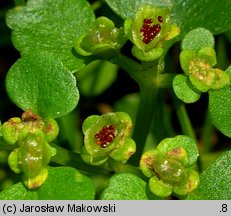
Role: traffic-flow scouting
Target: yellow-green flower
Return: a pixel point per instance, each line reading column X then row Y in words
column 170, row 167
column 107, row 136
column 149, row 31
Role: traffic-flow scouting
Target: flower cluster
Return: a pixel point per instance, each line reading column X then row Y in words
column 31, row 136
column 197, row 60
column 170, row 167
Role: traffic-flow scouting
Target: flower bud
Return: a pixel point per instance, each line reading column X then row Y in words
column 33, row 156
column 102, row 39
column 169, row 170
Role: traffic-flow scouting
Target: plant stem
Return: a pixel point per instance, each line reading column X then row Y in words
column 185, row 123
column 68, row 158
column 65, row 157
column 144, row 118
column 184, row 120
column 207, row 132
column 19, row 2
column 130, row 66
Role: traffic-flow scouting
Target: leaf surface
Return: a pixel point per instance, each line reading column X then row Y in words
column 51, row 25
column 40, row 82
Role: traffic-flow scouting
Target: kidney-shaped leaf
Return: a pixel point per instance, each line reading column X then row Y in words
column 66, row 183
column 63, row 183
column 40, row 82
column 215, row 181
column 125, row 186
column 220, row 108
column 184, row 89
column 213, row 15
column 51, row 25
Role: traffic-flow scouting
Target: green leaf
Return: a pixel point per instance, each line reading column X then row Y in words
column 184, row 89
column 220, row 108
column 55, row 187
column 215, row 181
column 96, row 77
column 125, row 186
column 127, row 8
column 68, row 184
column 40, row 82
column 197, row 39
column 18, row 192
column 212, row 15
column 51, row 25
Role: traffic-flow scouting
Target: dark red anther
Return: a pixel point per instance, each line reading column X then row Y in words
column 160, row 19
column 111, row 127
column 157, row 28
column 105, row 136
column 109, row 139
column 148, row 21
column 145, row 26
column 149, row 31
column 142, row 29
column 97, row 136
column 98, row 142
column 146, row 40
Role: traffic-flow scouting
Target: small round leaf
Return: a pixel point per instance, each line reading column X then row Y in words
column 125, row 186
column 197, row 39
column 215, row 181
column 51, row 25
column 184, row 89
column 55, row 187
column 38, row 81
column 220, row 108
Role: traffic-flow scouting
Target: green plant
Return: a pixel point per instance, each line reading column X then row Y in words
column 134, row 150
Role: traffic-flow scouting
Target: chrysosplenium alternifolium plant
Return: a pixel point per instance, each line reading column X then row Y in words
column 136, row 142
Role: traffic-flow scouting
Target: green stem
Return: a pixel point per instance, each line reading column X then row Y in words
column 184, row 120
column 208, row 130
column 6, row 147
column 144, row 119
column 19, row 2
column 165, row 80
column 185, row 123
column 133, row 68
column 68, row 158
